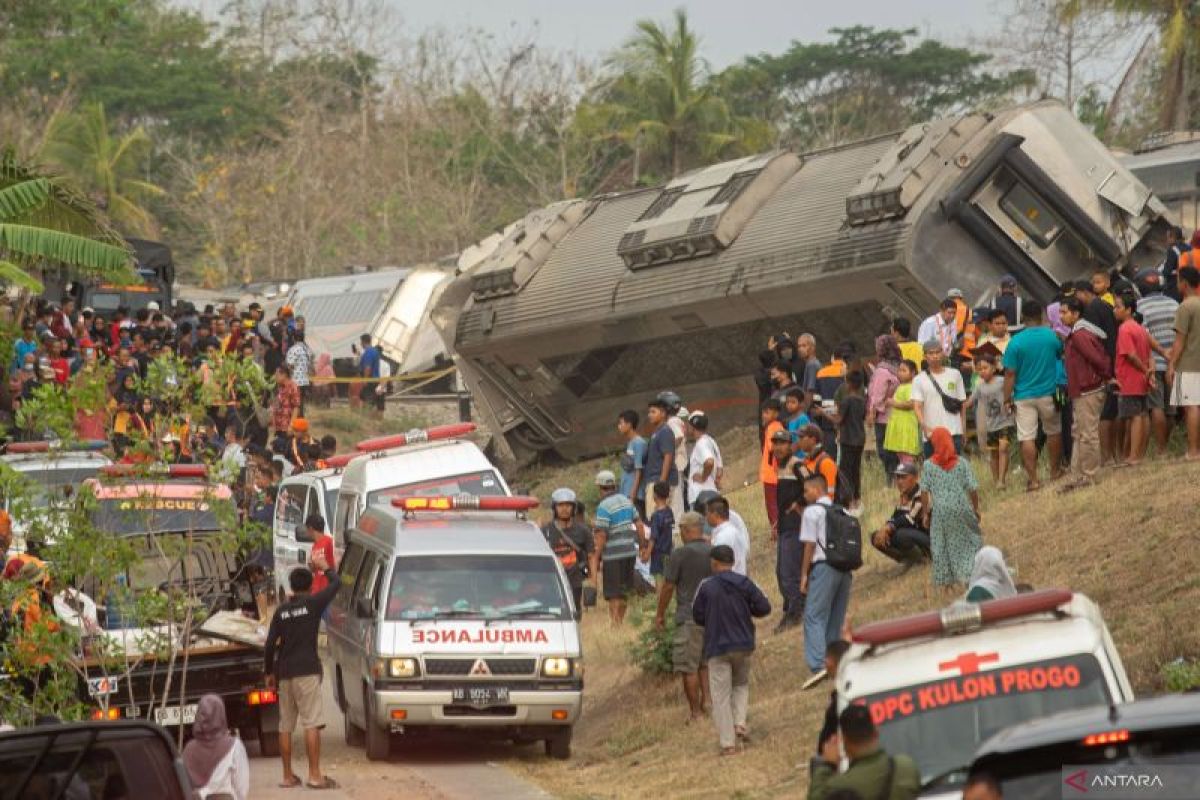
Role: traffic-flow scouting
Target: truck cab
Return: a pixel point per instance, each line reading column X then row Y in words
column 53, row 471
column 454, row 613
column 939, row 684
column 301, row 496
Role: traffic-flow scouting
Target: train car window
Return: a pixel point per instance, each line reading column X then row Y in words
column 1032, row 215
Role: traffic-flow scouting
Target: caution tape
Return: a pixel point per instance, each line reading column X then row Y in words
column 402, row 377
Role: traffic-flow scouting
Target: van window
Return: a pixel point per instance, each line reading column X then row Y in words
column 367, row 585
column 351, row 562
column 291, row 507
column 482, row 484
column 940, row 724
column 476, row 586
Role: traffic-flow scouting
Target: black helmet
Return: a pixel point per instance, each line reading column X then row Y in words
column 672, row 401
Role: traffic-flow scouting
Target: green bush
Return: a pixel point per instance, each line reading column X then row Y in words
column 1181, row 675
column 651, row 650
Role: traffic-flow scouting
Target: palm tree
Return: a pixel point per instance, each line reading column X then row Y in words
column 662, row 102
column 106, row 166
column 44, row 222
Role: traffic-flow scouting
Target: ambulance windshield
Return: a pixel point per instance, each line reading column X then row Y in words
column 485, row 483
column 476, row 586
column 941, row 724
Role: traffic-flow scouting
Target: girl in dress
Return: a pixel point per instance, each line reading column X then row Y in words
column 903, row 435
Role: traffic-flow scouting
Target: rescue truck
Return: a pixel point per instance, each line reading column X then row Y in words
column 454, row 614
column 938, row 684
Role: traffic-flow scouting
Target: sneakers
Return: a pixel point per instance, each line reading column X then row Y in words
column 816, row 678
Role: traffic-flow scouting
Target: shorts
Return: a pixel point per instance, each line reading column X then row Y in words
column 1033, row 410
column 618, row 577
column 1157, row 396
column 687, row 647
column 300, row 699
column 1001, row 439
column 1186, row 391
column 1109, row 412
column 1132, row 405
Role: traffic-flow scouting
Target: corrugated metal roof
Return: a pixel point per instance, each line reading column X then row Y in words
column 797, row 234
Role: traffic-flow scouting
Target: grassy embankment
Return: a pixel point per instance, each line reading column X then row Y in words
column 1130, row 543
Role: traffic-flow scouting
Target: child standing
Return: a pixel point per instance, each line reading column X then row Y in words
column 999, row 423
column 851, row 418
column 662, row 524
column 903, row 434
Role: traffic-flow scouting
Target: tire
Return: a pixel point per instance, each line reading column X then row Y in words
column 559, row 744
column 355, row 736
column 378, row 740
column 268, row 743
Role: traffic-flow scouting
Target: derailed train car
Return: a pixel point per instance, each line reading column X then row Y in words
column 590, row 306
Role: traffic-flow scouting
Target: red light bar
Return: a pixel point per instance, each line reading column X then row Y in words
column 47, row 446
column 959, row 617
column 416, row 436
column 169, row 470
column 1108, row 737
column 465, row 502
column 340, row 460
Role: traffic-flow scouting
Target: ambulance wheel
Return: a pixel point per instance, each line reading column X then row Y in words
column 559, row 744
column 355, row 736
column 378, row 740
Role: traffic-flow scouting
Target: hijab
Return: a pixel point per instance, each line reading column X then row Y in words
column 211, row 740
column 991, row 573
column 944, row 454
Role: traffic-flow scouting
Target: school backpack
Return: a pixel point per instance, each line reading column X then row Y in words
column 843, row 540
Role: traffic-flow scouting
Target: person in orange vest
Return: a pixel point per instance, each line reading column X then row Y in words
column 28, row 611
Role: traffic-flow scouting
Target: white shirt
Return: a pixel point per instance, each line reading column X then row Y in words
column 729, row 533
column 703, row 449
column 935, row 414
column 937, row 328
column 681, row 457
column 234, row 456
column 812, row 527
column 231, row 775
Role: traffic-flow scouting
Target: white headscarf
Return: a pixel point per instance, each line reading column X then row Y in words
column 991, row 573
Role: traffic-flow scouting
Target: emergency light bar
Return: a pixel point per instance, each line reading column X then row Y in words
column 340, row 460
column 465, row 502
column 169, row 470
column 960, row 618
column 416, row 436
column 47, row 446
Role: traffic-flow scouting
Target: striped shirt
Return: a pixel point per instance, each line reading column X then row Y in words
column 1158, row 317
column 616, row 518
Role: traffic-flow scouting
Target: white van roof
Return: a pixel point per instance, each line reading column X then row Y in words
column 451, row 532
column 413, row 464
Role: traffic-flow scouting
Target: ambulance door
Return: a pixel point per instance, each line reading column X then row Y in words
column 290, row 550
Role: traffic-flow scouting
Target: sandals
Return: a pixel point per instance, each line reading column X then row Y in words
column 292, row 784
column 327, row 783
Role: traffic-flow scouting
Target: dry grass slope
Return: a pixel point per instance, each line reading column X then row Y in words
column 1130, row 543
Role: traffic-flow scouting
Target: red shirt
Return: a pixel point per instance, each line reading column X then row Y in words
column 62, row 370
column 1132, row 338
column 322, row 545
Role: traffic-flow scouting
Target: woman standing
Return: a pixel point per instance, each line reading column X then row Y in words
column 216, row 760
column 884, row 381
column 951, row 494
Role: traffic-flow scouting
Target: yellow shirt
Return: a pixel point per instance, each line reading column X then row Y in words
column 912, row 351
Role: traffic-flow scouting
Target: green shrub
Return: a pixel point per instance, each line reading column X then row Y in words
column 1181, row 675
column 651, row 650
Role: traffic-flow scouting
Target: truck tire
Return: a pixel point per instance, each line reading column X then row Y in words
column 378, row 740
column 268, row 731
column 558, row 745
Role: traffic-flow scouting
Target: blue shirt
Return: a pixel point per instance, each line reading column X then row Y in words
column 794, row 426
column 1034, row 354
column 662, row 529
column 634, row 459
column 617, row 518
column 662, row 444
column 23, row 348
column 370, row 361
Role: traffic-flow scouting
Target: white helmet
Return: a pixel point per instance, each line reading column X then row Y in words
column 563, row 495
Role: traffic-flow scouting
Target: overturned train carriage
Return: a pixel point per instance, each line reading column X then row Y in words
column 590, row 306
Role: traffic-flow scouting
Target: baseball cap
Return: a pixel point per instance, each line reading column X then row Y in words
column 955, row 293
column 722, row 554
column 605, row 478
column 906, row 468
column 1149, row 276
column 1008, row 280
column 781, row 436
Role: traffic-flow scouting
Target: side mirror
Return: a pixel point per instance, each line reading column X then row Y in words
column 362, row 608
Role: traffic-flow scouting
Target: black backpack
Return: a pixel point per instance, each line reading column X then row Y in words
column 843, row 540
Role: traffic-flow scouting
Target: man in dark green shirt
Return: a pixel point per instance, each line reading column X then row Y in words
column 872, row 773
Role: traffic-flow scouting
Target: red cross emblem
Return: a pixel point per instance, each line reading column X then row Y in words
column 968, row 663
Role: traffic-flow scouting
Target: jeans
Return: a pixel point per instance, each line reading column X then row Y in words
column 906, row 545
column 729, row 687
column 824, row 611
column 789, row 555
column 886, row 457
column 958, row 445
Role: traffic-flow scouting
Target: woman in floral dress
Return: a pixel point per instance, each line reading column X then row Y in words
column 952, row 496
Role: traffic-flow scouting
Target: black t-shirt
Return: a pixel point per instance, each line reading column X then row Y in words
column 291, row 649
column 789, row 490
column 1100, row 314
column 852, row 409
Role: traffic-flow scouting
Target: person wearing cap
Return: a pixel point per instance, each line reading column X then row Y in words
column 935, row 388
column 789, row 495
column 940, row 327
column 725, row 607
column 705, row 465
column 571, row 542
column 873, row 773
column 904, row 537
column 815, row 461
column 619, row 535
column 1158, row 317
column 1009, row 302
column 686, row 568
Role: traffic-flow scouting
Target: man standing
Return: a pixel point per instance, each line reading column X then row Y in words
column 1158, row 317
column 633, row 461
column 937, row 387
column 728, row 533
column 1008, row 302
column 788, row 552
column 619, row 535
column 686, row 567
column 369, row 367
column 1183, row 371
column 725, row 607
column 1088, row 371
column 1135, row 377
column 872, row 773
column 704, row 465
column 322, row 543
column 1176, row 246
column 660, row 454
column 806, row 345
column 571, row 542
column 940, row 328
column 781, row 379
column 286, row 406
column 827, row 588
column 1030, row 381
column 767, row 468
column 291, row 663
column 300, row 359
column 1100, row 314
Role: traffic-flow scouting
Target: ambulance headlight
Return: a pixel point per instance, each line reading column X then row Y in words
column 403, row 668
column 556, row 667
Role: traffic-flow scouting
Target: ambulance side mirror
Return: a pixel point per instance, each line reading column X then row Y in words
column 362, row 608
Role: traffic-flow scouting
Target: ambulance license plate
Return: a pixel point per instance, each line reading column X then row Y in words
column 479, row 696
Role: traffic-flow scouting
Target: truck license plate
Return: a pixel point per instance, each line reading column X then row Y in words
column 175, row 715
column 102, row 687
column 480, row 695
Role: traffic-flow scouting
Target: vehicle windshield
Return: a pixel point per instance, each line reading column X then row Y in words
column 476, row 586
column 53, row 486
column 483, row 484
column 941, row 724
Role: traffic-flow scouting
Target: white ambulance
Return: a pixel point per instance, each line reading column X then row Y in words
column 938, row 684
column 301, row 496
column 455, row 613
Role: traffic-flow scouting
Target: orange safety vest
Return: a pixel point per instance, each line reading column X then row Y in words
column 1189, row 259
